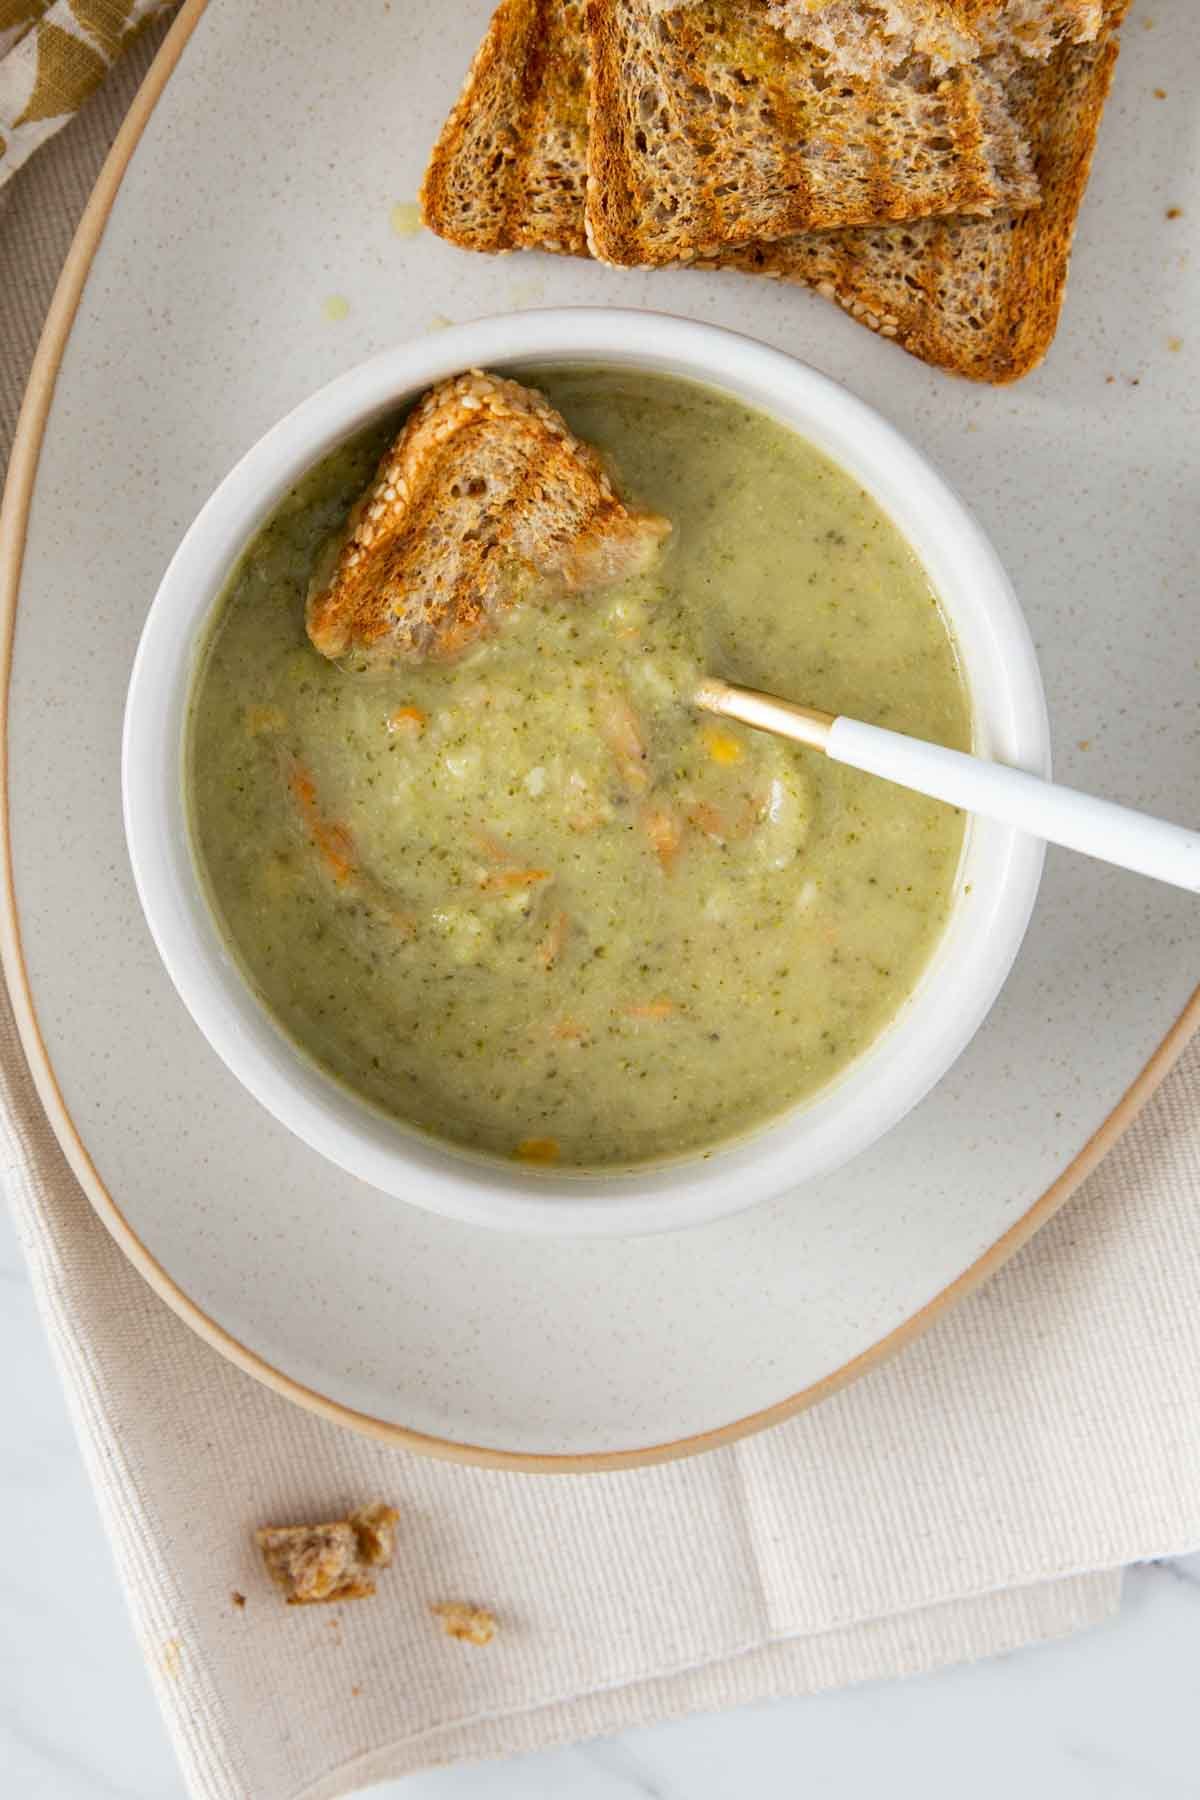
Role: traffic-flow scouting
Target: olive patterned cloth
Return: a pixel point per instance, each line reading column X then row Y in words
column 53, row 54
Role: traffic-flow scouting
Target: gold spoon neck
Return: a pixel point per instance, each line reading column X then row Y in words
column 803, row 724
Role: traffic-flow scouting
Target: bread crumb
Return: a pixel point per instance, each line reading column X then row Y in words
column 1174, row 212
column 1174, row 343
column 1084, row 744
column 1110, row 379
column 1160, row 93
column 239, row 1600
column 356, row 1691
column 172, row 1659
column 439, row 322
column 335, row 308
column 314, row 1563
column 469, row 1624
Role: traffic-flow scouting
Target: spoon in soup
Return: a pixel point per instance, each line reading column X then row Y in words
column 1060, row 815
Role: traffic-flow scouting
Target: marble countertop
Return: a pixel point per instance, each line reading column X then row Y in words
column 1108, row 1715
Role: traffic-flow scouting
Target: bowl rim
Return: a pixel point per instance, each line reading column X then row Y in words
column 934, row 1024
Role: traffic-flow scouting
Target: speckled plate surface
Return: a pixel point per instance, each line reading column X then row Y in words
column 253, row 252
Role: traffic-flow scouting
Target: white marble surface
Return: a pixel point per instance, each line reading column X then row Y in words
column 1109, row 1715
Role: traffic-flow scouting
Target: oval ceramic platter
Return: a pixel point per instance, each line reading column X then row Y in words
column 252, row 253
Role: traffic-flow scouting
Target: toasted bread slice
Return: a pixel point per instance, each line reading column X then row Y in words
column 980, row 297
column 708, row 127
column 505, row 173
column 484, row 498
column 509, row 169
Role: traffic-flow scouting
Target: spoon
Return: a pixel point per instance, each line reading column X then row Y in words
column 1061, row 815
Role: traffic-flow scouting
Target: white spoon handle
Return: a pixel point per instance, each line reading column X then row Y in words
column 1115, row 834
column 1061, row 815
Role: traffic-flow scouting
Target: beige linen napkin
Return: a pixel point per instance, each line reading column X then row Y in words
column 980, row 1492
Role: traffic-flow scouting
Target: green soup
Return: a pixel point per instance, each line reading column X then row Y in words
column 534, row 903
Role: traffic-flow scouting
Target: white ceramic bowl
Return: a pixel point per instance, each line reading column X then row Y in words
column 998, row 877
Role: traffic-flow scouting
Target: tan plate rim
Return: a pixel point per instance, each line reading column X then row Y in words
column 14, row 516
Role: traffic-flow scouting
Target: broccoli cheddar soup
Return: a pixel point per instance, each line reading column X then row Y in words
column 531, row 900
